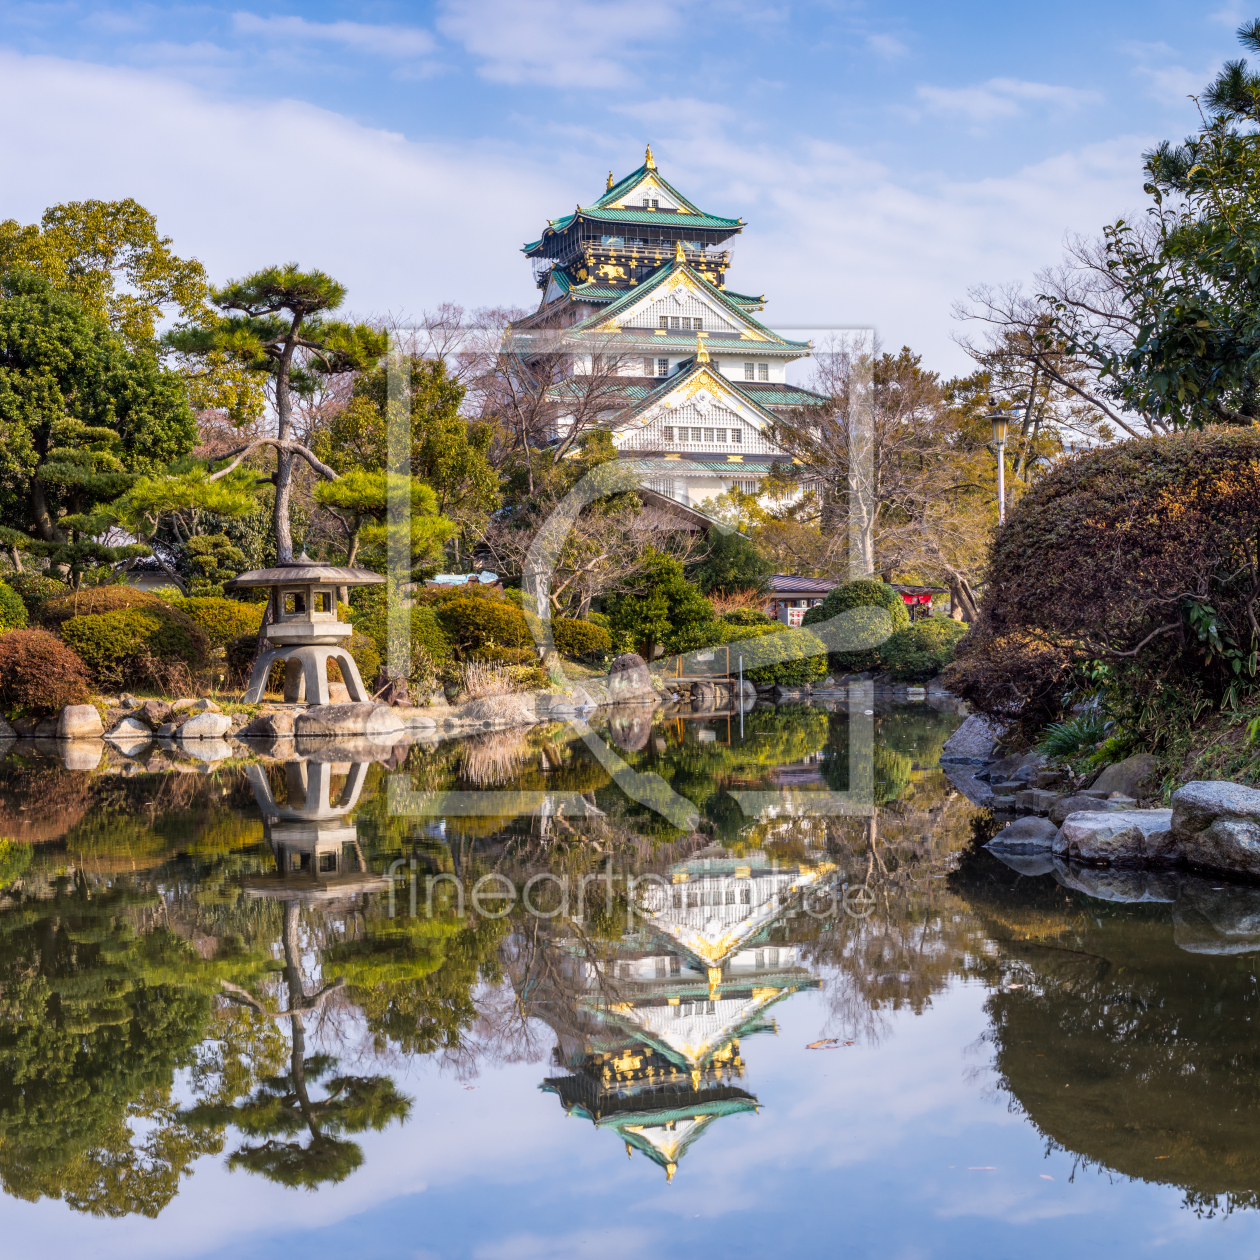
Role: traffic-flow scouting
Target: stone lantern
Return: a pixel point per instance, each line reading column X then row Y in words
column 304, row 630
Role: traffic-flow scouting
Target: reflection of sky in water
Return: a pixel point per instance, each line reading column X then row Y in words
column 686, row 1059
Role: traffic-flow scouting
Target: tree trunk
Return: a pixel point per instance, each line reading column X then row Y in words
column 284, row 458
column 962, row 599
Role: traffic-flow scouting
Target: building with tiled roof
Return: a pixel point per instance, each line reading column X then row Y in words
column 638, row 279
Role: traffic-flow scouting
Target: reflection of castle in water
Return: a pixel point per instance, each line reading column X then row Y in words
column 651, row 1036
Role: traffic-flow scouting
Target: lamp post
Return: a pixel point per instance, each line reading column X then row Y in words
column 1001, row 420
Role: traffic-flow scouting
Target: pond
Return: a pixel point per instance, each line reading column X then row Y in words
column 686, row 984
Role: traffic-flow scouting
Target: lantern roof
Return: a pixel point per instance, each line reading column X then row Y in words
column 304, row 570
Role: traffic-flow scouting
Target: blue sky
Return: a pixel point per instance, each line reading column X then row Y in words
column 885, row 155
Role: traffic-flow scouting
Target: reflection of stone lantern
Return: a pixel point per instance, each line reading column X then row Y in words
column 305, row 632
column 315, row 844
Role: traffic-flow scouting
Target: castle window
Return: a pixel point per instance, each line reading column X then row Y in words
column 721, row 435
column 763, row 371
column 664, row 321
column 697, row 323
column 662, row 367
column 655, row 205
column 737, row 435
column 648, row 369
column 695, row 435
column 674, row 321
column 749, row 369
column 708, row 435
column 669, row 434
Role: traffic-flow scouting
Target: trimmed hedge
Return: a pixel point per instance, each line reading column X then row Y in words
column 471, row 621
column 582, row 639
column 849, row 597
column 117, row 646
column 12, row 609
column 922, row 650
column 92, row 601
column 220, row 619
column 759, row 644
column 39, row 673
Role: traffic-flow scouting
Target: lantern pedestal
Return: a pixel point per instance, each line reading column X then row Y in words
column 306, row 672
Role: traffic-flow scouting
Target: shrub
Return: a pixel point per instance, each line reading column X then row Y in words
column 747, row 617
column 366, row 657
column 862, row 594
column 220, row 619
column 760, row 644
column 582, row 639
column 471, row 621
column 39, row 674
column 922, row 650
column 34, row 588
column 505, row 656
column 124, row 646
column 12, row 609
column 92, row 601
column 1144, row 552
column 1066, row 739
column 1013, row 677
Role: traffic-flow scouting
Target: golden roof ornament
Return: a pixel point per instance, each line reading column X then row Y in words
column 669, row 1171
column 649, row 161
column 702, row 356
column 610, row 180
column 679, row 256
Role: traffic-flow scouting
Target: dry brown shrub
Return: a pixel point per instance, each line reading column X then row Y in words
column 494, row 759
column 733, row 601
column 486, row 678
column 40, row 674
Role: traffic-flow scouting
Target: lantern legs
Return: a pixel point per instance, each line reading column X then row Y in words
column 305, row 674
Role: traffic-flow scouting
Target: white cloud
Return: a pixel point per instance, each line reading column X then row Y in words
column 382, row 41
column 1002, row 98
column 1167, row 80
column 887, row 45
column 561, row 43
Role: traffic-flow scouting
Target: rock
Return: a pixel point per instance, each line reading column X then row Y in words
column 390, row 691
column 79, row 721
column 1066, row 805
column 1037, row 800
column 1026, row 834
column 339, row 693
column 199, row 705
column 703, row 697
column 129, row 730
column 1128, row 777
column 1128, row 836
column 1218, row 824
column 127, row 701
column 155, row 712
column 131, row 745
column 277, row 724
column 1007, row 768
column 629, row 680
column 351, row 748
column 206, row 726
column 1049, row 778
column 1003, row 804
column 378, row 721
column 81, row 754
column 6, row 731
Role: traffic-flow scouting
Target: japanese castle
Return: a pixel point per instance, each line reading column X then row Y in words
column 640, row 276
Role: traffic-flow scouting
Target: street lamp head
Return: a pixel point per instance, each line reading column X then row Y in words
column 1001, row 420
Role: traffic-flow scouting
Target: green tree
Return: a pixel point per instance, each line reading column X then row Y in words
column 81, row 415
column 661, row 608
column 110, row 255
column 281, row 329
column 448, row 452
column 731, row 563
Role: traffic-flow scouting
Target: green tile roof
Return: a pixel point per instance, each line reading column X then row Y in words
column 619, row 189
column 631, row 296
column 644, row 218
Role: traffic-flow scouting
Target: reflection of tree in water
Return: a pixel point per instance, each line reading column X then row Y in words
column 1121, row 1047
column 282, row 1106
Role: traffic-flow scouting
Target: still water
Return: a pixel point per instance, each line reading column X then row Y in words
column 736, row 985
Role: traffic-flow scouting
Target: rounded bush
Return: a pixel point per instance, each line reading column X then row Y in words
column 220, row 619
column 92, row 601
column 471, row 621
column 582, row 639
column 759, row 645
column 34, row 588
column 747, row 617
column 864, row 593
column 121, row 646
column 39, row 674
column 922, row 650
column 12, row 609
